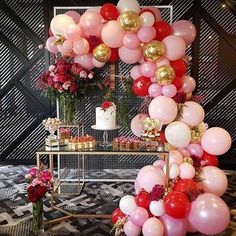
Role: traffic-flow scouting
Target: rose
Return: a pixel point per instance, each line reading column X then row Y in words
column 73, row 88
column 75, row 69
column 61, row 78
column 45, row 176
column 105, row 105
column 28, row 176
column 40, row 191
column 56, row 85
column 60, row 89
column 33, row 171
column 50, row 81
column 32, row 197
column 83, row 74
column 90, row 75
column 66, row 85
column 51, row 67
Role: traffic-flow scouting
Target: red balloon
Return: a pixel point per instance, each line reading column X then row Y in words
column 162, row 137
column 114, row 55
column 109, row 11
column 143, row 199
column 208, row 160
column 178, row 82
column 176, row 204
column 93, row 41
column 140, row 86
column 163, row 29
column 185, row 186
column 179, row 66
column 117, row 215
column 147, row 10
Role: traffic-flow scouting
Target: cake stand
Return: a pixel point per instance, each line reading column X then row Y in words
column 105, row 142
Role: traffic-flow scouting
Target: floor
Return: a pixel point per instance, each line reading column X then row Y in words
column 103, row 198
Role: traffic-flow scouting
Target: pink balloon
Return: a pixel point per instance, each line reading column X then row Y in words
column 162, row 62
column 163, row 108
column 154, row 90
column 192, row 114
column 142, row 60
column 169, row 90
column 50, row 45
column 149, row 178
column 139, row 216
column 174, row 226
column 148, row 69
column 85, row 61
column 81, row 47
column 175, row 157
column 73, row 32
column 112, row 34
column 97, row 63
column 159, row 164
column 136, row 187
column 184, row 29
column 214, row 180
column 189, row 84
column 153, row 79
column 216, row 141
column 187, row 171
column 135, row 72
column 209, row 214
column 146, row 34
column 156, row 12
column 66, row 48
column 91, row 23
column 74, row 15
column 131, row 229
column 131, row 41
column 191, row 229
column 174, row 47
column 130, row 56
column 184, row 152
column 137, row 124
column 153, row 226
column 195, row 149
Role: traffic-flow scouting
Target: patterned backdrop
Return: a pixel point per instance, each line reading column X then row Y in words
column 24, row 26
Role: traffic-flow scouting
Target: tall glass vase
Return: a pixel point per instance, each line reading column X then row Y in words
column 37, row 225
column 68, row 110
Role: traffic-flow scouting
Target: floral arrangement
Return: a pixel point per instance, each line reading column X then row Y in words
column 51, row 124
column 108, row 105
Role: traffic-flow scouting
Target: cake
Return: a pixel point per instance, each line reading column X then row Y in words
column 106, row 116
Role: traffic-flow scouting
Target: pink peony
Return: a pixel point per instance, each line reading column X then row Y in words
column 90, row 75
column 33, row 172
column 76, row 69
column 45, row 176
column 83, row 74
column 56, row 85
column 51, row 67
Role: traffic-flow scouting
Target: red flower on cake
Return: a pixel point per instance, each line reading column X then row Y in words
column 105, row 105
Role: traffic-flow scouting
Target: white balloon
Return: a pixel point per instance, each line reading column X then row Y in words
column 147, row 19
column 178, row 134
column 173, row 171
column 128, row 5
column 157, row 208
column 127, row 204
column 59, row 23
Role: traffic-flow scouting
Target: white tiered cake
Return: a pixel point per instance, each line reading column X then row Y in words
column 106, row 117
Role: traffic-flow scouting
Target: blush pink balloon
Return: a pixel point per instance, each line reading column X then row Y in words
column 146, row 34
column 209, row 214
column 153, row 79
column 187, row 171
column 163, row 108
column 184, row 152
column 156, row 12
column 174, row 226
column 131, row 41
column 74, row 15
column 131, row 229
column 216, row 141
column 85, row 61
column 91, row 23
column 73, row 32
column 66, row 48
column 148, row 69
column 195, row 149
column 154, row 90
column 214, row 180
column 81, row 47
column 189, row 84
column 97, row 63
column 112, row 34
column 191, row 229
column 162, row 62
column 130, row 56
column 192, row 114
column 135, row 72
column 142, row 60
column 175, row 157
column 159, row 164
column 174, row 47
column 169, row 90
column 153, row 226
column 136, row 124
column 50, row 45
column 184, row 29
column 139, row 216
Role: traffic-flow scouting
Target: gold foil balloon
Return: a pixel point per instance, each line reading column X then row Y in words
column 197, row 132
column 129, row 21
column 165, row 75
column 153, row 50
column 102, row 52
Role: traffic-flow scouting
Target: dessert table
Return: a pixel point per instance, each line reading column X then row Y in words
column 61, row 184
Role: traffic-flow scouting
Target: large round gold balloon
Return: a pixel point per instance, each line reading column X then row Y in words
column 102, row 52
column 153, row 50
column 165, row 75
column 129, row 21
